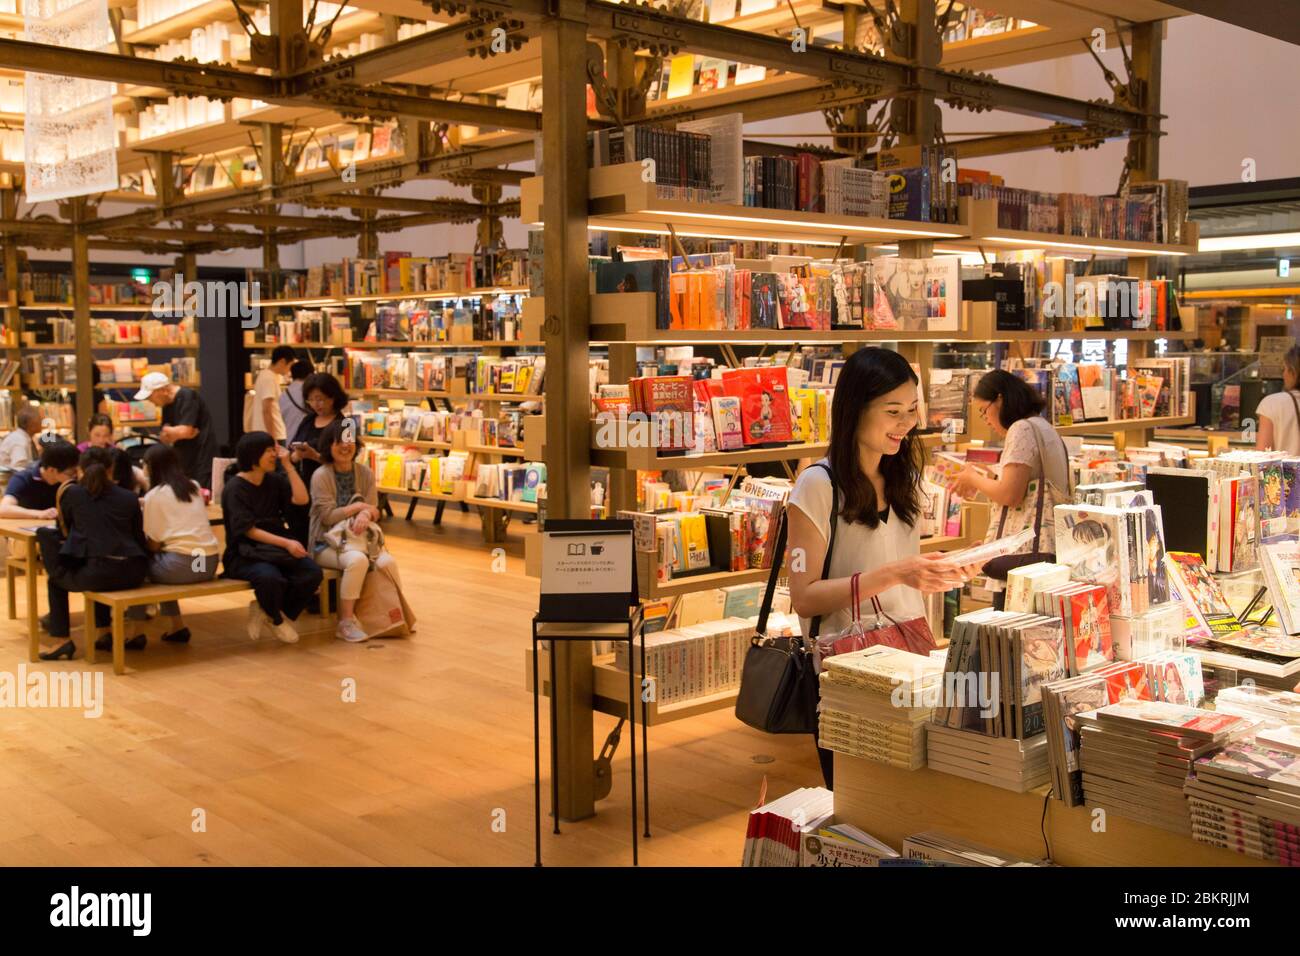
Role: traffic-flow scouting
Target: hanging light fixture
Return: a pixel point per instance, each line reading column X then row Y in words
column 69, row 138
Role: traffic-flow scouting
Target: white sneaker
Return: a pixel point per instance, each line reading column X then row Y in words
column 350, row 630
column 284, row 632
column 257, row 621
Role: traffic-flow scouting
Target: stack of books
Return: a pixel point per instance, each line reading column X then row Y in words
column 1136, row 754
column 943, row 849
column 773, row 834
column 1064, row 700
column 866, row 704
column 842, row 844
column 1272, row 708
column 1016, row 765
column 1247, row 798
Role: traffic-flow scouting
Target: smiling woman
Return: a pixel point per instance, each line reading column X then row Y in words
column 853, row 514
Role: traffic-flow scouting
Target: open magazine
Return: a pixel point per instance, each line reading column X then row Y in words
column 983, row 553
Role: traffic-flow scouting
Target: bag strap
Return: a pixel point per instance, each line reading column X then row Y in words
column 778, row 557
column 815, row 626
column 58, row 507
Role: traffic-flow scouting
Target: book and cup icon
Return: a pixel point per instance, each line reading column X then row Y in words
column 578, row 549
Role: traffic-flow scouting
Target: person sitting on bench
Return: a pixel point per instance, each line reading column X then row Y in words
column 104, row 549
column 183, row 549
column 343, row 489
column 260, row 548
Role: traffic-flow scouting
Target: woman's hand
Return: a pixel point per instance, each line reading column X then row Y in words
column 361, row 522
column 356, row 508
column 295, row 548
column 50, row 514
column 306, row 451
column 929, row 573
column 281, row 452
column 965, row 486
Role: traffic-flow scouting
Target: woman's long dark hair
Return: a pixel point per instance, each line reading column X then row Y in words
column 867, row 375
column 96, row 471
column 124, row 470
column 1019, row 398
column 164, row 468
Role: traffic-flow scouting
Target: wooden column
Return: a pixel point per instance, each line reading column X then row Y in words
column 565, row 330
column 85, row 396
column 926, row 51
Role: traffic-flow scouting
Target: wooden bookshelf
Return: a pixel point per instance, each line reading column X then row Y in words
column 621, row 202
column 407, row 443
column 490, row 397
column 409, row 346
column 981, row 219
column 651, row 459
column 441, row 294
column 1125, row 425
column 526, row 507
column 609, row 691
column 422, row 495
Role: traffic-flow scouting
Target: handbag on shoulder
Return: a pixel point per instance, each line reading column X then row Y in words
column 778, row 684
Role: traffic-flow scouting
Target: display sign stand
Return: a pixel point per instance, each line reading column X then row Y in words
column 588, row 593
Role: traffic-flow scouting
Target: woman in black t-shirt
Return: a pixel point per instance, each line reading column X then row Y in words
column 259, row 549
column 326, row 400
column 104, row 548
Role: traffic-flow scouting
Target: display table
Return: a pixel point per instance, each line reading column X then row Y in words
column 891, row 804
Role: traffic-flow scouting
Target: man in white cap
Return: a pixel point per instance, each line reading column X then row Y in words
column 186, row 424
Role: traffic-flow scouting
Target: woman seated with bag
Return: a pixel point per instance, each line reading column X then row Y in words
column 104, row 548
column 345, row 532
column 853, row 515
column 1034, row 472
column 177, row 530
column 259, row 549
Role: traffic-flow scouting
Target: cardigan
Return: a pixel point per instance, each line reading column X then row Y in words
column 325, row 510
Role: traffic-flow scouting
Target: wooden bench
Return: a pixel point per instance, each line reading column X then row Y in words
column 119, row 601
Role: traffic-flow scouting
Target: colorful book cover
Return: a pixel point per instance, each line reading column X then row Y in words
column 1160, row 716
column 765, row 301
column 1092, row 543
column 764, row 403
column 1040, row 649
column 796, row 312
column 726, row 422
column 1090, row 644
column 917, row 294
column 1200, row 592
column 670, row 401
column 1272, row 502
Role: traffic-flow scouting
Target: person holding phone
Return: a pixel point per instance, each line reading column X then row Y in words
column 259, row 547
column 874, row 465
column 326, row 400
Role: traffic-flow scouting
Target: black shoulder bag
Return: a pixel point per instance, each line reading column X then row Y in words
column 778, row 685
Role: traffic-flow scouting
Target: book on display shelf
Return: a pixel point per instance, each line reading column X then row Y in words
column 1246, row 798
column 842, row 844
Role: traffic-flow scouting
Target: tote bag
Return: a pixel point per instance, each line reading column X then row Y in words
column 1044, row 496
column 382, row 610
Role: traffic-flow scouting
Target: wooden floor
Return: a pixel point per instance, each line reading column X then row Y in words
column 437, row 744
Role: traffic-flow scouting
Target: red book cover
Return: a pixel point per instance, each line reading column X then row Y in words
column 1090, row 646
column 392, row 271
column 764, row 403
column 1127, row 681
column 670, row 400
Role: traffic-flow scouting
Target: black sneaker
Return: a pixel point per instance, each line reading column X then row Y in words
column 178, row 637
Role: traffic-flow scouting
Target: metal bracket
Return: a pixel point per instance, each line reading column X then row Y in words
column 971, row 91
column 602, row 766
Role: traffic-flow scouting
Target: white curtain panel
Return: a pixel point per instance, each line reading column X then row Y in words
column 70, row 139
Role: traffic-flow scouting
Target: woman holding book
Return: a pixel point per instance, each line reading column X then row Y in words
column 1032, row 451
column 1279, row 413
column 343, row 490
column 865, row 497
